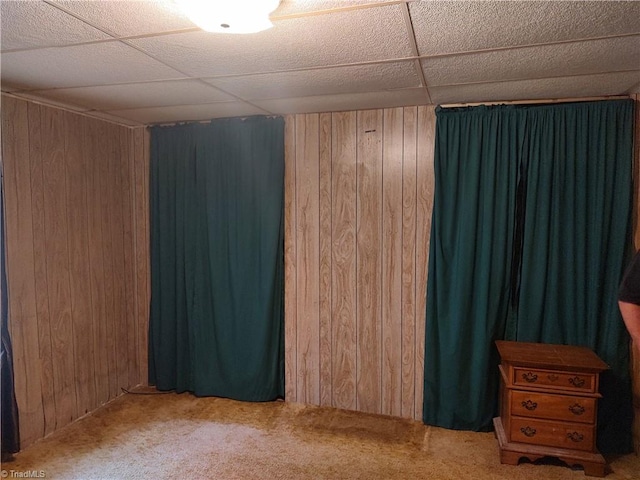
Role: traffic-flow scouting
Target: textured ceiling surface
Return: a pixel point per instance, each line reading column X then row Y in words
column 142, row 61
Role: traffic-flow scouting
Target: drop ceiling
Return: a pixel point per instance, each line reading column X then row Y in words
column 142, row 62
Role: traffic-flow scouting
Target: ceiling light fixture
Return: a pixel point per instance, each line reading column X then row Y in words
column 229, row 16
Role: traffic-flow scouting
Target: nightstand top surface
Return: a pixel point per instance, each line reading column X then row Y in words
column 545, row 355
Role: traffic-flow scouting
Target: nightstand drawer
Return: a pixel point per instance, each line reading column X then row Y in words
column 555, row 434
column 553, row 406
column 579, row 382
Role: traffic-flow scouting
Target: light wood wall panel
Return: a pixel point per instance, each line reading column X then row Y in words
column 392, row 264
column 326, row 362
column 409, row 288
column 358, row 196
column 290, row 262
column 308, row 250
column 343, row 251
column 369, row 260
column 425, row 189
column 77, row 261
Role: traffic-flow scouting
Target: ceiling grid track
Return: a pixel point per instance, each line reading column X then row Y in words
column 135, row 47
column 414, row 47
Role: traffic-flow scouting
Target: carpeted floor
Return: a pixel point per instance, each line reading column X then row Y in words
column 181, row 436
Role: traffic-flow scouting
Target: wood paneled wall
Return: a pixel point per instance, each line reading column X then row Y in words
column 358, row 195
column 77, row 261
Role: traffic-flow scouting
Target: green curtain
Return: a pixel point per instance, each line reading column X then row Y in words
column 9, row 415
column 576, row 226
column 217, row 265
column 470, row 248
column 543, row 266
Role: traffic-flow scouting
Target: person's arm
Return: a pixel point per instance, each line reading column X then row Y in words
column 631, row 316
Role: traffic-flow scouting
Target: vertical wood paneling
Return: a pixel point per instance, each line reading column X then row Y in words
column 308, row 253
column 425, row 178
column 140, row 168
column 70, row 240
column 144, row 250
column 408, row 290
column 392, row 262
column 40, row 269
column 107, row 187
column 116, row 212
column 290, row 261
column 325, row 260
column 77, row 217
column 19, row 239
column 128, row 222
column 343, row 274
column 58, row 276
column 95, row 146
column 356, row 274
column 369, row 255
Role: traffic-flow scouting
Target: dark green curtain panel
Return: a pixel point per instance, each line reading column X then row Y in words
column 576, row 237
column 217, row 265
column 9, row 415
column 470, row 250
column 529, row 239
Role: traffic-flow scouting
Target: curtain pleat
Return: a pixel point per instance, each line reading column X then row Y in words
column 547, row 256
column 216, row 324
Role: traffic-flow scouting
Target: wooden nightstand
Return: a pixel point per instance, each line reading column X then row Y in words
column 548, row 404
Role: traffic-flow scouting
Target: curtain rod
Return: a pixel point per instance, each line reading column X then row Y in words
column 533, row 102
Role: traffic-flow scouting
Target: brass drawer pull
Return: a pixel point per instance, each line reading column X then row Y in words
column 529, row 405
column 576, row 382
column 528, row 431
column 530, row 377
column 552, row 377
column 576, row 409
column 575, row 437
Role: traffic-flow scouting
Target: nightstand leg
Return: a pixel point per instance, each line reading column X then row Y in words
column 509, row 458
column 594, row 469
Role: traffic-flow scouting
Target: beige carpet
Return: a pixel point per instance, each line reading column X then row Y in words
column 183, row 437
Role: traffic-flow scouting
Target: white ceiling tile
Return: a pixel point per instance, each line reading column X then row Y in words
column 311, row 62
column 292, row 7
column 323, row 40
column 184, row 113
column 340, row 102
column 130, row 17
column 82, row 65
column 140, row 95
column 596, row 56
column 458, row 26
column 564, row 87
column 29, row 24
column 326, row 81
